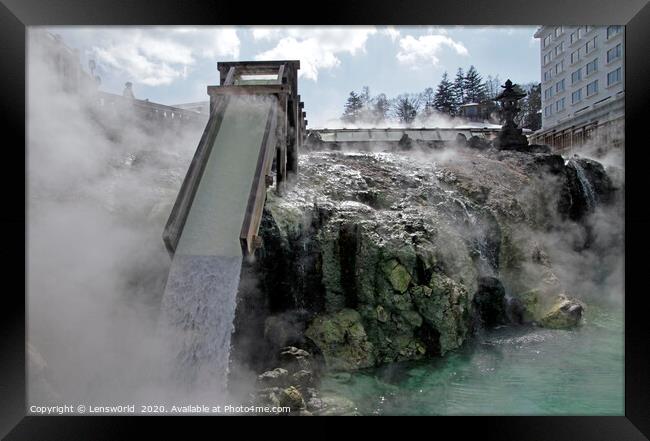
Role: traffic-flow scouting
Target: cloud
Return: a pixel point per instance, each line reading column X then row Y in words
column 391, row 32
column 155, row 56
column 316, row 48
column 413, row 51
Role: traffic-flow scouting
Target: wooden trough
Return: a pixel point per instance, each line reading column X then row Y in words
column 283, row 135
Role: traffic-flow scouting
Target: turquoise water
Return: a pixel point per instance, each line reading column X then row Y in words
column 507, row 371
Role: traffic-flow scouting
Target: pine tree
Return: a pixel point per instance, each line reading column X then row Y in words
column 533, row 119
column 474, row 87
column 459, row 90
column 353, row 108
column 444, row 100
column 366, row 113
column 427, row 98
column 365, row 96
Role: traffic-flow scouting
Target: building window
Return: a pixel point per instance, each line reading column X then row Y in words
column 547, row 110
column 588, row 29
column 559, row 67
column 547, row 58
column 591, row 45
column 581, row 31
column 575, row 56
column 547, row 40
column 576, row 76
column 592, row 66
column 574, row 37
column 576, row 96
column 559, row 105
column 559, row 86
column 613, row 30
column 558, row 31
column 559, row 49
column 614, row 77
column 548, row 93
column 614, row 53
column 547, row 75
column 592, row 88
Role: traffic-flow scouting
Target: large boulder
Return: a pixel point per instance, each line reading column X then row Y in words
column 564, row 313
column 292, row 398
column 342, row 340
column 274, row 378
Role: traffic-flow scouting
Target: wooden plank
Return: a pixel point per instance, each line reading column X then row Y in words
column 258, row 63
column 281, row 74
column 244, row 89
column 257, row 195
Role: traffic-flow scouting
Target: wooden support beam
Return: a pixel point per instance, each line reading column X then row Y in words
column 230, row 78
column 257, row 195
column 258, row 89
column 281, row 155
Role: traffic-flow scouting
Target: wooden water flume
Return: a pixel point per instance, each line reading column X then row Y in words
column 238, row 152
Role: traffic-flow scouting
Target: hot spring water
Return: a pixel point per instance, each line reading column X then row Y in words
column 506, row 371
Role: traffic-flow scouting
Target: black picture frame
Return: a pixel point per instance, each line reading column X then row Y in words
column 15, row 15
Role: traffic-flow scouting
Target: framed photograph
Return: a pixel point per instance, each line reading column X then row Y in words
column 427, row 211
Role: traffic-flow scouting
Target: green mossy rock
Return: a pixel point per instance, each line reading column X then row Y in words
column 342, row 340
column 384, row 253
column 292, row 398
column 397, row 275
column 564, row 314
column 444, row 305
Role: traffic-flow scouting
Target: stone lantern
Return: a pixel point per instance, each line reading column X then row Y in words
column 510, row 137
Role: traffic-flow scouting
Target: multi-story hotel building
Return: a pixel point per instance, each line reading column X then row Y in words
column 583, row 90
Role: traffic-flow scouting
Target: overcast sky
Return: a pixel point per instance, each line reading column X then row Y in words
column 172, row 65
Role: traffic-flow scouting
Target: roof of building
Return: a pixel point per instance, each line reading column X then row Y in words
column 538, row 32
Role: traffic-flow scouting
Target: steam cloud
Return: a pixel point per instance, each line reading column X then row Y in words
column 101, row 183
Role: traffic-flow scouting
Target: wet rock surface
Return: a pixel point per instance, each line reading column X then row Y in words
column 565, row 313
column 390, row 256
column 490, row 302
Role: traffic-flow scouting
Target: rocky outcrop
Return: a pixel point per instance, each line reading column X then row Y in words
column 588, row 185
column 564, row 313
column 291, row 385
column 342, row 340
column 371, row 258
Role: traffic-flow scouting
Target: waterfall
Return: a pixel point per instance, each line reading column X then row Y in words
column 478, row 236
column 585, row 185
column 197, row 318
column 201, row 293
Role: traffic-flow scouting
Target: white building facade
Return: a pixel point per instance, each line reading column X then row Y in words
column 583, row 88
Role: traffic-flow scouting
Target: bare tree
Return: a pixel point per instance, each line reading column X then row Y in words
column 406, row 108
